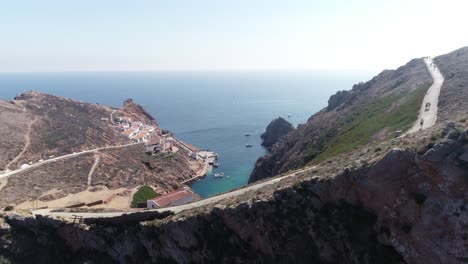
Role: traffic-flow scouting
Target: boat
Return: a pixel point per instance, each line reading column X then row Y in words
column 227, row 177
column 248, row 145
column 215, row 164
column 247, row 134
column 218, row 175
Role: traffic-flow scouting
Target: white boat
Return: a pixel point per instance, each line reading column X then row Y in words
column 219, row 175
column 248, row 145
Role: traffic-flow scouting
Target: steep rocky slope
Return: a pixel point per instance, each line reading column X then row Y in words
column 454, row 93
column 276, row 130
column 407, row 206
column 370, row 112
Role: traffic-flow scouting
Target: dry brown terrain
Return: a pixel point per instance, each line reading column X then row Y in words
column 59, row 126
column 12, row 132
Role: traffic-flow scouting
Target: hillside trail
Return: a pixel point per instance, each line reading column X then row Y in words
column 26, row 145
column 67, row 156
column 97, row 158
column 428, row 112
column 174, row 209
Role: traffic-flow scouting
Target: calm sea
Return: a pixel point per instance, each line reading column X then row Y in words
column 210, row 110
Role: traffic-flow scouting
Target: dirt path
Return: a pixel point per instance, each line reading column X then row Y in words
column 90, row 174
column 112, row 116
column 26, row 146
column 174, row 209
column 38, row 164
column 428, row 111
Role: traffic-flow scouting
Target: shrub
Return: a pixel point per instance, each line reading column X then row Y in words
column 420, row 198
column 8, row 208
column 378, row 149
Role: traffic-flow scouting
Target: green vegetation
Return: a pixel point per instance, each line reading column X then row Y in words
column 391, row 113
column 144, row 193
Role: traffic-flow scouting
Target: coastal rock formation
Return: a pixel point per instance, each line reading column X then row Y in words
column 407, row 207
column 136, row 111
column 276, row 130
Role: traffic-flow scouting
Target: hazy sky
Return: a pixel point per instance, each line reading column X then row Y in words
column 58, row 35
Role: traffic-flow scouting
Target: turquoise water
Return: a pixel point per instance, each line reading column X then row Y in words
column 209, row 110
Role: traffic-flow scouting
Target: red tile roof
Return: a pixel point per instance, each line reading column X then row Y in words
column 154, row 140
column 169, row 198
column 128, row 132
column 141, row 135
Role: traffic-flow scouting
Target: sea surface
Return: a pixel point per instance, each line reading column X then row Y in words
column 209, row 110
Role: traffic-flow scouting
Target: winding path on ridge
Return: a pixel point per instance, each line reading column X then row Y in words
column 38, row 164
column 429, row 117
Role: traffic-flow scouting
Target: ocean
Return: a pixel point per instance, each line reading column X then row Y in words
column 209, row 110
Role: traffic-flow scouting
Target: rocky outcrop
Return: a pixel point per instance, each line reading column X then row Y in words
column 275, row 131
column 406, row 208
column 137, row 112
column 339, row 98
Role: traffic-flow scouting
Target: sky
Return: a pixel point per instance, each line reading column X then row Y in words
column 222, row 35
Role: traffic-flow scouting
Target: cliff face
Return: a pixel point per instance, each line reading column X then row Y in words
column 453, row 99
column 370, row 112
column 408, row 207
column 275, row 131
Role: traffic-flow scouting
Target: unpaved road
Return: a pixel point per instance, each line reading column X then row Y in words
column 38, row 164
column 97, row 158
column 432, row 97
column 174, row 209
column 26, row 145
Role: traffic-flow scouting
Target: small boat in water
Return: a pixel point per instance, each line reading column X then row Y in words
column 247, row 134
column 215, row 164
column 248, row 145
column 219, row 175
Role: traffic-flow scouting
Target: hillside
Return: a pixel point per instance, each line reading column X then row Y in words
column 369, row 112
column 38, row 127
column 404, row 204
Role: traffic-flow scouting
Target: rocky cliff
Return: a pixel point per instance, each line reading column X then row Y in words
column 276, row 130
column 370, row 112
column 408, row 206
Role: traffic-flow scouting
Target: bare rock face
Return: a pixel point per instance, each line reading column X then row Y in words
column 275, row 131
column 339, row 98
